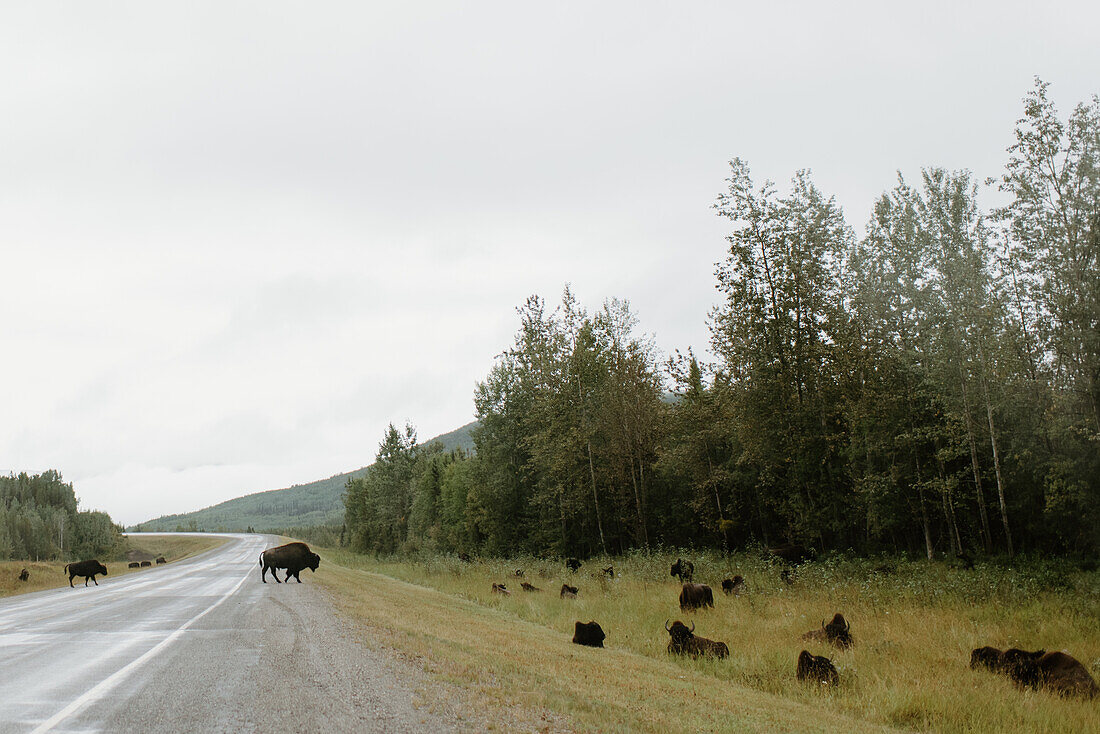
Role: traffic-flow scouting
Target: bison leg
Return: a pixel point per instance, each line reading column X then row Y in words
column 263, row 574
column 71, row 581
column 93, row 581
column 275, row 575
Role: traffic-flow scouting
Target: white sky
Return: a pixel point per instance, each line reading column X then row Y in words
column 237, row 239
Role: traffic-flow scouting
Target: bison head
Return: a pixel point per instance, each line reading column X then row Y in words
column 679, row 631
column 986, row 657
column 313, row 562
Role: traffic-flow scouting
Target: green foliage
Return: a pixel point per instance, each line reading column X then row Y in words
column 39, row 520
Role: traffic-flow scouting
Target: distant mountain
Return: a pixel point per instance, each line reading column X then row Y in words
column 316, row 503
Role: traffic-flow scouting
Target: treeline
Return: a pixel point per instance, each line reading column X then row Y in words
column 932, row 387
column 39, row 520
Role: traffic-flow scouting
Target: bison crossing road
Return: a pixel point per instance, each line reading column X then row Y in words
column 293, row 557
column 197, row 646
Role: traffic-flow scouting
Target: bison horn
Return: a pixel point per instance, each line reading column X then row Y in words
column 823, row 624
column 693, row 626
column 667, row 629
column 847, row 625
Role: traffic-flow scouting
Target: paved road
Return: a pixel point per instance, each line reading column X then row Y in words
column 199, row 645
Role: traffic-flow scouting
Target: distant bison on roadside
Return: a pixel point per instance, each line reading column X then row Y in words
column 816, row 669
column 146, row 563
column 568, row 592
column 160, row 560
column 733, row 586
column 24, row 575
column 88, row 569
column 695, row 596
column 590, row 634
column 133, row 564
column 682, row 569
column 684, row 642
column 292, row 556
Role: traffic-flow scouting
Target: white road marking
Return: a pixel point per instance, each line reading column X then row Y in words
column 119, row 675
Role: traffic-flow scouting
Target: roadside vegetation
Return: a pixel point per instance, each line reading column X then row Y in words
column 51, row 574
column 914, row 625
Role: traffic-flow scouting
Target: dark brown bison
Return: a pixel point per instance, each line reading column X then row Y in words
column 146, row 563
column 836, row 632
column 501, row 589
column 464, row 557
column 695, row 596
column 292, row 556
column 684, row 642
column 816, row 669
column 573, row 565
column 609, row 572
column 24, row 575
column 519, row 573
column 734, row 586
column 590, row 634
column 986, row 657
column 792, row 553
column 161, row 559
column 529, row 587
column 964, row 561
column 133, row 564
column 87, row 569
column 683, row 570
column 1055, row 671
column 568, row 592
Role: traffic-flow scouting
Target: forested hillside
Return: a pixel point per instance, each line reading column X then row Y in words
column 39, row 520
column 315, row 503
column 932, row 387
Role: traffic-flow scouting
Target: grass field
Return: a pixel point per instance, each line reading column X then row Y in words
column 51, row 574
column 914, row 627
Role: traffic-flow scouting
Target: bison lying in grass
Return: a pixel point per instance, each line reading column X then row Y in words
column 1058, row 672
column 568, row 592
column 292, row 556
column 590, row 634
column 816, row 669
column 837, row 632
column 684, row 642
column 734, row 586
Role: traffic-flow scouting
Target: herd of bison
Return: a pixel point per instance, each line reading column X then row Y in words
column 1054, row 671
column 1058, row 672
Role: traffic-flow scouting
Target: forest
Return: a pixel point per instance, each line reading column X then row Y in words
column 930, row 388
column 39, row 520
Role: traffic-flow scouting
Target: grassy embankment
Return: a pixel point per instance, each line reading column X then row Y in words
column 51, row 574
column 914, row 629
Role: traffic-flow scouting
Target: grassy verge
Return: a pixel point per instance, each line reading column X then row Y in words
column 914, row 628
column 51, row 574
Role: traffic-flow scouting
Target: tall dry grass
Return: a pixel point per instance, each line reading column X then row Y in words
column 914, row 624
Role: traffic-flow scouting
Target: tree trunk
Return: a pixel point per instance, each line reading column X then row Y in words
column 595, row 498
column 996, row 454
column 987, row 540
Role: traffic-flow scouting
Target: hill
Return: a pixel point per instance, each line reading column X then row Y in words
column 315, row 503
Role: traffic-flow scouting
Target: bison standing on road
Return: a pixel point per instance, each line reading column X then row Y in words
column 683, row 570
column 695, row 596
column 292, row 556
column 590, row 634
column 87, row 569
column 684, row 642
column 817, row 669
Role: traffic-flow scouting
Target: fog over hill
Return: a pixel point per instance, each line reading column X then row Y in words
column 315, row 503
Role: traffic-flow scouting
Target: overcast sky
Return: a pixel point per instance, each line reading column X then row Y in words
column 238, row 239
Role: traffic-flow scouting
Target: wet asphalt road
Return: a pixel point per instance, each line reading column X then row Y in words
column 199, row 645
